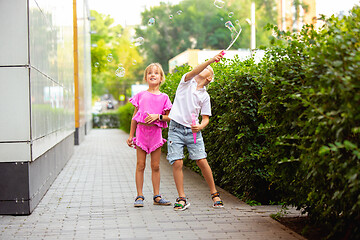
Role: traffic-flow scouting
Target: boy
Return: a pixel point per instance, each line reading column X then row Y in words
column 191, row 99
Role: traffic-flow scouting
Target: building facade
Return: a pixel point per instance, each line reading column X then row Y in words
column 37, row 95
column 194, row 57
column 291, row 17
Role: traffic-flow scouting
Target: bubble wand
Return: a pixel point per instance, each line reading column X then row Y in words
column 194, row 123
column 231, row 27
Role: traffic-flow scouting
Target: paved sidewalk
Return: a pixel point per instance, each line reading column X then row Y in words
column 92, row 198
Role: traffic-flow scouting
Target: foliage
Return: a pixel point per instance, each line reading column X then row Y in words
column 235, row 95
column 288, row 129
column 121, row 118
column 200, row 25
column 172, row 81
column 114, row 40
column 310, row 101
column 125, row 114
column 106, row 120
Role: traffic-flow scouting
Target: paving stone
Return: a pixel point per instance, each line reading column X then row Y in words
column 92, row 198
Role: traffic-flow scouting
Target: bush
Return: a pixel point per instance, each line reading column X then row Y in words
column 288, row 129
column 115, row 119
column 106, row 120
column 310, row 101
column 232, row 138
column 125, row 114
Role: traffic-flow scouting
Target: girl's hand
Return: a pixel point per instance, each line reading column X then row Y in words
column 130, row 142
column 151, row 118
column 195, row 128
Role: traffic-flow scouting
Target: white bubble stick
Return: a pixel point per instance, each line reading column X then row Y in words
column 233, row 41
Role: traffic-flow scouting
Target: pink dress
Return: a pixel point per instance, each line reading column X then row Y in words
column 149, row 138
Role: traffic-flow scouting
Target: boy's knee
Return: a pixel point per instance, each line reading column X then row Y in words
column 201, row 162
column 178, row 164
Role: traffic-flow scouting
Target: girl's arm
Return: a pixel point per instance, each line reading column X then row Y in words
column 166, row 116
column 132, row 130
column 202, row 125
column 199, row 68
column 153, row 117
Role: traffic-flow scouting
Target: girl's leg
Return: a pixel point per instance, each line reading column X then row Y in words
column 139, row 173
column 207, row 173
column 155, row 170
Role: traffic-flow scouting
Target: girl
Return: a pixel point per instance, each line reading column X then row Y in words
column 150, row 116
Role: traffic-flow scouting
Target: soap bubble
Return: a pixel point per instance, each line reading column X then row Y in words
column 221, row 19
column 139, row 41
column 231, row 14
column 110, row 57
column 171, row 16
column 96, row 64
column 237, row 22
column 134, row 62
column 219, row 3
column 179, row 12
column 231, row 27
column 151, row 21
column 120, row 72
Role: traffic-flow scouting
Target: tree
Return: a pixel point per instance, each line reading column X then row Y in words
column 115, row 62
column 201, row 25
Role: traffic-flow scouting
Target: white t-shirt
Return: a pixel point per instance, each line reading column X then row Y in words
column 189, row 101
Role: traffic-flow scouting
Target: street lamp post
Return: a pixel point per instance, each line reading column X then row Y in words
column 253, row 36
column 251, row 22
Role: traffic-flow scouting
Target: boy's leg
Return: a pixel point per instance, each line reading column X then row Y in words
column 207, row 173
column 155, row 170
column 139, row 173
column 179, row 177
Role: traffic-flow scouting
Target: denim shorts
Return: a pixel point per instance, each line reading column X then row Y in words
column 180, row 136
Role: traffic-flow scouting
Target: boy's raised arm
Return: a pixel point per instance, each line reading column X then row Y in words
column 199, row 68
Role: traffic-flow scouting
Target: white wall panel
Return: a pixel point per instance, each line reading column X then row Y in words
column 51, row 37
column 13, row 32
column 14, row 152
column 52, row 75
column 42, row 145
column 14, row 104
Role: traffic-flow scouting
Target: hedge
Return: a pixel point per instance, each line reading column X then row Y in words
column 125, row 113
column 121, row 118
column 288, row 128
column 106, row 120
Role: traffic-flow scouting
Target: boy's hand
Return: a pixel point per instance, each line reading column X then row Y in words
column 196, row 128
column 218, row 56
column 130, row 142
column 151, row 118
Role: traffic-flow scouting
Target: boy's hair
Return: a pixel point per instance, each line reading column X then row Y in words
column 212, row 72
column 159, row 67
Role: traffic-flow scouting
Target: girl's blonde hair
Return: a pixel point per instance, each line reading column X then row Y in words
column 159, row 67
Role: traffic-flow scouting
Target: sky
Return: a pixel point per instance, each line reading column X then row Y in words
column 329, row 7
column 126, row 12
